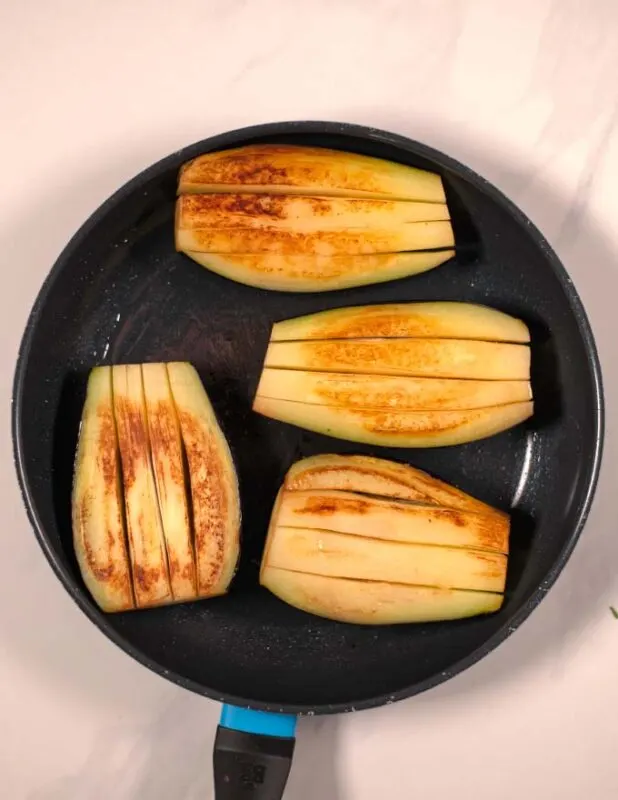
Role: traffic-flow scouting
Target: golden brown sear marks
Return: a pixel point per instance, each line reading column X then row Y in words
column 398, row 424
column 263, row 240
column 133, row 438
column 164, row 440
column 492, row 531
column 405, row 393
column 295, row 169
column 383, row 478
column 213, row 483
column 266, row 165
column 172, row 491
column 318, row 268
column 377, row 322
column 144, row 528
column 373, row 326
column 478, row 530
column 345, row 478
column 211, row 511
column 397, row 428
column 239, row 171
column 301, row 213
column 238, row 210
column 99, row 533
column 147, row 578
column 410, row 356
column 100, row 560
column 439, row 320
column 356, row 396
column 489, row 565
column 103, row 560
column 431, row 358
column 132, row 502
column 107, row 447
column 327, row 506
column 289, row 271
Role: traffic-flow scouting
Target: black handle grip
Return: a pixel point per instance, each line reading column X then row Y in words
column 250, row 766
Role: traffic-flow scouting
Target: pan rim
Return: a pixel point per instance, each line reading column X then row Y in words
column 593, row 457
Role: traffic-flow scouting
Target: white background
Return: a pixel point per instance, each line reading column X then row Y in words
column 527, row 94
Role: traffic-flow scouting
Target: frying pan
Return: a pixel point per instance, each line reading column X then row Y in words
column 120, row 293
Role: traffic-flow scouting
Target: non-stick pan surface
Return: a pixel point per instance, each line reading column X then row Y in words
column 120, row 293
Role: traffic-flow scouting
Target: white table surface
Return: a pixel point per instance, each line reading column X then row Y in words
column 524, row 92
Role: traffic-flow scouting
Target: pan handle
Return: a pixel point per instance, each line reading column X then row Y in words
column 253, row 754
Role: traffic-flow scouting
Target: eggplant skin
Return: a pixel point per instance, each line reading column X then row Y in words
column 293, row 169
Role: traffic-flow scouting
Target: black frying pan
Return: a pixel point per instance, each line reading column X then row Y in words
column 120, row 293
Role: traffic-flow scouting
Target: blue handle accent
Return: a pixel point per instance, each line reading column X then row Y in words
column 260, row 722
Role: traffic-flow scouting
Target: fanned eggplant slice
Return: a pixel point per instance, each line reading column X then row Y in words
column 382, row 478
column 437, row 320
column 392, row 392
column 361, row 602
column 300, row 214
column 367, row 541
column 214, row 485
column 99, row 533
column 167, row 462
column 290, row 169
column 309, row 219
column 334, row 241
column 156, row 512
column 320, row 552
column 315, row 273
column 393, row 520
column 418, row 358
column 401, row 375
column 144, row 529
column 397, row 428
